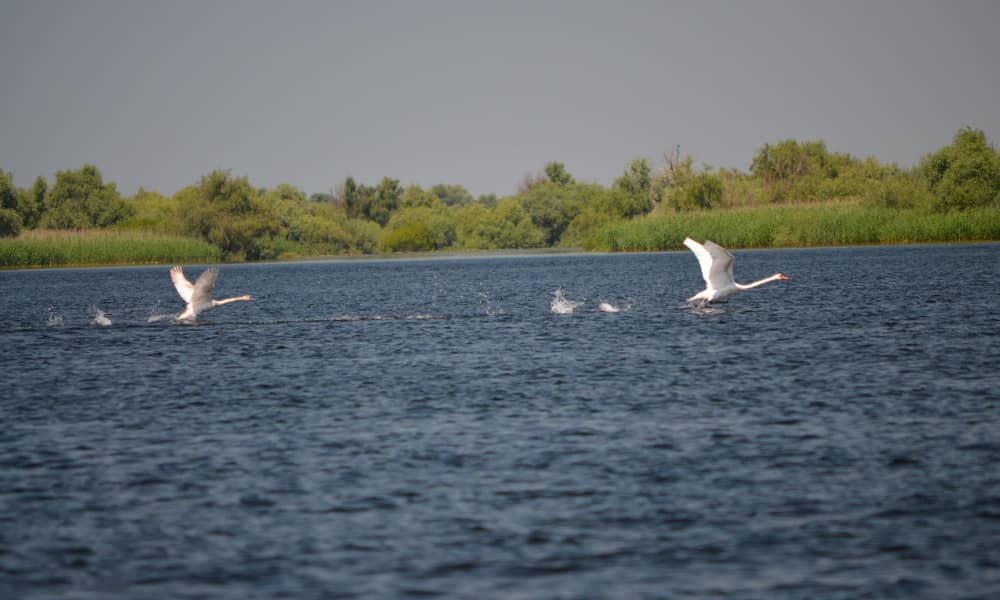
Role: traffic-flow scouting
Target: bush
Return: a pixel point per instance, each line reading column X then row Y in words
column 965, row 174
column 902, row 190
column 10, row 223
column 419, row 228
column 702, row 191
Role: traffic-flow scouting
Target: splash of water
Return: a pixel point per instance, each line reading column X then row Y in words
column 561, row 305
column 608, row 307
column 100, row 317
column 52, row 318
column 486, row 302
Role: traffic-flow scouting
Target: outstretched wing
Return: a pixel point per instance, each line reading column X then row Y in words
column 184, row 287
column 203, row 286
column 704, row 259
column 720, row 274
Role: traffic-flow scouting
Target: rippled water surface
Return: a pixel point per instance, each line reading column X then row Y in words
column 422, row 428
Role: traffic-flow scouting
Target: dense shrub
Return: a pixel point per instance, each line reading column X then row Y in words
column 965, row 174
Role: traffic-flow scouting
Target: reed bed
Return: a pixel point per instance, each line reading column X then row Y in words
column 830, row 225
column 101, row 247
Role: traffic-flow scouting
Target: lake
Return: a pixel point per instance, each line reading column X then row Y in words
column 430, row 428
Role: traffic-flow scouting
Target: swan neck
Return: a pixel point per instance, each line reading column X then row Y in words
column 228, row 300
column 749, row 286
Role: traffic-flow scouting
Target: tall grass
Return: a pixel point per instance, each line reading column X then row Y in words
column 101, row 247
column 831, row 225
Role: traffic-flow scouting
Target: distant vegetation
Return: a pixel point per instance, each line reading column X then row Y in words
column 45, row 248
column 794, row 194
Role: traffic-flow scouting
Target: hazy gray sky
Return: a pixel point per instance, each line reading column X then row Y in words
column 157, row 94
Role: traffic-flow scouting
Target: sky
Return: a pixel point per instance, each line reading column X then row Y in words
column 158, row 94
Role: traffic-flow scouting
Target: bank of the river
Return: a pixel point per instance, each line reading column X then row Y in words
column 783, row 227
column 767, row 227
column 101, row 247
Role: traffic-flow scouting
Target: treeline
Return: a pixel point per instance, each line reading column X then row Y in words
column 551, row 208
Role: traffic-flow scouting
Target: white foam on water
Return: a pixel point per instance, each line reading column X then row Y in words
column 561, row 305
column 52, row 318
column 487, row 304
column 608, row 307
column 99, row 317
column 160, row 317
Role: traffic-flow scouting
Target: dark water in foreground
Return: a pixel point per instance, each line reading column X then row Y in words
column 422, row 428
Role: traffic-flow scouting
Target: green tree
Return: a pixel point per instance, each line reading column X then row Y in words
column 287, row 204
column 551, row 207
column 385, row 201
column 420, row 228
column 321, row 197
column 33, row 202
column 601, row 208
column 375, row 204
column 452, row 195
column 505, row 226
column 637, row 184
column 356, row 198
column 965, row 174
column 414, row 196
column 80, row 199
column 228, row 212
column 488, row 200
column 787, row 159
column 364, row 235
column 899, row 190
column 556, row 172
column 792, row 170
column 152, row 211
column 324, row 230
column 10, row 220
column 703, row 191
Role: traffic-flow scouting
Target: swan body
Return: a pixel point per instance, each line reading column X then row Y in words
column 717, row 268
column 198, row 296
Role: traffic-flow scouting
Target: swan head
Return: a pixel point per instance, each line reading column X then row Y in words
column 782, row 276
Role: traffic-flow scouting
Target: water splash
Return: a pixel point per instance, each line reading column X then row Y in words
column 52, row 318
column 608, row 307
column 100, row 317
column 487, row 304
column 561, row 305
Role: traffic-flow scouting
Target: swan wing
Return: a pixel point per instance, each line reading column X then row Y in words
column 704, row 258
column 204, row 286
column 184, row 287
column 720, row 274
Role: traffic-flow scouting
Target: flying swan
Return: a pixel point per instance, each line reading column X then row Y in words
column 717, row 269
column 199, row 296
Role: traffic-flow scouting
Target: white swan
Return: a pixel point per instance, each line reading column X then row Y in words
column 717, row 269
column 199, row 296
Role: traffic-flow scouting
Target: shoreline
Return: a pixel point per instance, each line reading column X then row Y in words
column 442, row 255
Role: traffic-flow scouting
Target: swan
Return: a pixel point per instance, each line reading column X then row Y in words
column 199, row 295
column 717, row 269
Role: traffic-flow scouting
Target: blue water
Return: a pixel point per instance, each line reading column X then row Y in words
column 429, row 428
